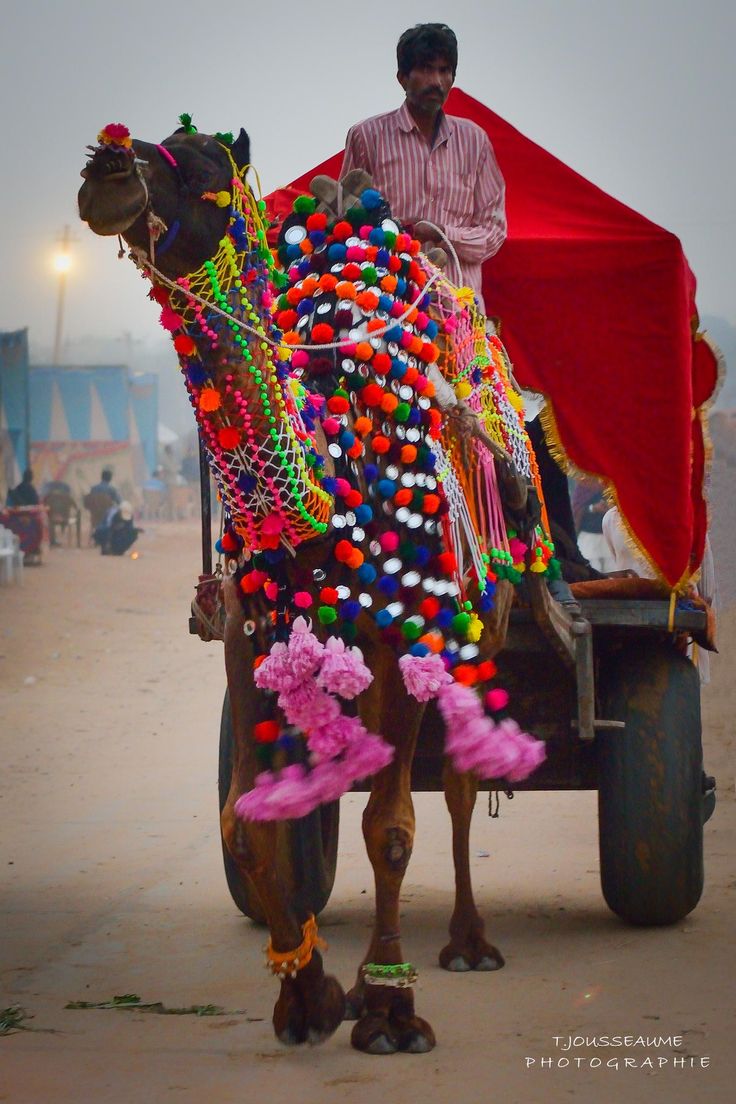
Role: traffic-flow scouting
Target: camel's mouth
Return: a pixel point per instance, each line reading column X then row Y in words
column 113, row 196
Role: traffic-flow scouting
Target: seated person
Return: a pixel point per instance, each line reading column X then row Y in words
column 25, row 494
column 117, row 533
column 105, row 486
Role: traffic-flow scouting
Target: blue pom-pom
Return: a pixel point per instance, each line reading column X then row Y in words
column 387, row 487
column 196, row 374
column 317, row 237
column 292, row 252
column 382, row 258
column 415, row 416
column 336, row 252
column 486, row 602
column 347, row 439
column 388, row 584
column 419, row 650
column 385, row 302
column 383, row 619
column 218, row 547
column 371, row 199
column 370, row 471
column 363, row 514
column 431, row 329
column 304, row 266
column 350, row 610
column 422, row 556
column 306, row 306
column 400, row 286
column 329, row 484
column 274, row 555
column 367, row 573
column 247, row 482
column 376, row 236
column 444, row 618
column 393, row 333
column 398, row 369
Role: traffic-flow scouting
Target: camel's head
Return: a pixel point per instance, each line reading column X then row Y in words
column 131, row 186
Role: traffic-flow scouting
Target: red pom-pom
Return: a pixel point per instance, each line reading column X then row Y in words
column 487, row 670
column 328, row 595
column 338, row 404
column 403, row 497
column 381, row 364
column 229, row 437
column 317, row 221
column 465, row 674
column 322, row 333
column 353, row 499
column 228, row 542
column 371, row 394
column 285, row 319
column 265, row 732
column 343, row 550
column 447, row 563
column 184, row 345
column 351, row 271
column 429, row 352
column 380, row 444
column 429, row 608
column 431, row 503
column 342, row 230
column 159, row 294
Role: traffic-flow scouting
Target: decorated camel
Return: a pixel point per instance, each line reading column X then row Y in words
column 380, row 498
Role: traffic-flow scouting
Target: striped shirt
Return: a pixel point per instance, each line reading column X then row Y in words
column 456, row 184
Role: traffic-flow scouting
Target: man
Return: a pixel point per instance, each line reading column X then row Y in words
column 431, row 167
column 105, row 486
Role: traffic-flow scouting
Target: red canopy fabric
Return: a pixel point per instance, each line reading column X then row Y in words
column 597, row 308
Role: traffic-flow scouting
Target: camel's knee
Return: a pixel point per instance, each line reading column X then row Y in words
column 389, row 846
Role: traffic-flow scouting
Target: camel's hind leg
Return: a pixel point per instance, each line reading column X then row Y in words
column 312, row 1004
column 467, row 949
column 386, row 1021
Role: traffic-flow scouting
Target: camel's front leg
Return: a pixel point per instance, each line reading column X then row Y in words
column 311, row 1004
column 383, row 998
column 467, row 949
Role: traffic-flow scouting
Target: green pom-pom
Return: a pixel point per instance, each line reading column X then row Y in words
column 369, row 275
column 186, row 122
column 349, row 631
column 225, row 137
column 407, row 552
column 513, row 575
column 327, row 615
column 554, row 570
column 389, row 238
column 401, row 413
column 356, row 216
column 461, row 623
column 411, row 630
column 305, row 205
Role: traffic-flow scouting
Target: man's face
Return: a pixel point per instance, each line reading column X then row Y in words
column 428, row 85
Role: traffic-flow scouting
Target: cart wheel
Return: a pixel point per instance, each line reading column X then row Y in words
column 650, row 784
column 306, row 849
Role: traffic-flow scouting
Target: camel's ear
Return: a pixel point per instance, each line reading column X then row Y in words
column 240, row 149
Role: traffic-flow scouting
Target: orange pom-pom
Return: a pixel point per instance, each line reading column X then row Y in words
column 465, row 674
column 429, row 352
column 380, row 444
column 209, row 399
column 408, row 454
column 388, row 283
column 310, row 285
column 363, row 350
column 434, row 640
column 355, row 450
column 431, row 503
column 355, row 559
column 306, row 246
column 345, row 290
column 327, row 281
column 375, row 324
column 367, row 300
column 389, row 402
column 410, row 374
column 294, row 295
column 292, row 337
column 363, row 425
column 403, row 497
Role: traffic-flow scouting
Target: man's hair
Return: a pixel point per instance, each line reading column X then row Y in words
column 424, row 43
column 106, row 475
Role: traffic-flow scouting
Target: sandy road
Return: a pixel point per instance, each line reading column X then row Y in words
column 112, row 883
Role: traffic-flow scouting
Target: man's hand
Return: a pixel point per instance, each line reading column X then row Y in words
column 426, row 233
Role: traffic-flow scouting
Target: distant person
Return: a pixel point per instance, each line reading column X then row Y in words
column 25, row 494
column 117, row 533
column 105, row 486
column 190, row 466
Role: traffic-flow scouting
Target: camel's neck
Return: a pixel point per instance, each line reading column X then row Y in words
column 257, row 428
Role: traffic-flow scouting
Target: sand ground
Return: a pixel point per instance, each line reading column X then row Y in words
column 112, row 883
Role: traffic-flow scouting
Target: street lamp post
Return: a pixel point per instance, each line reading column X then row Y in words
column 62, row 264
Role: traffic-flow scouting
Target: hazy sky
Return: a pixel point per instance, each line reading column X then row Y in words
column 638, row 95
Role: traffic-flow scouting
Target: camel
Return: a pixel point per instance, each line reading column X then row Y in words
column 369, row 567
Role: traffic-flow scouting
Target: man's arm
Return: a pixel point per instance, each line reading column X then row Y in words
column 357, row 155
column 487, row 232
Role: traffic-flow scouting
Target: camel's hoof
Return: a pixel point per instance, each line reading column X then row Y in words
column 354, row 1005
column 488, row 963
column 373, row 1034
column 458, row 965
column 417, row 1037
